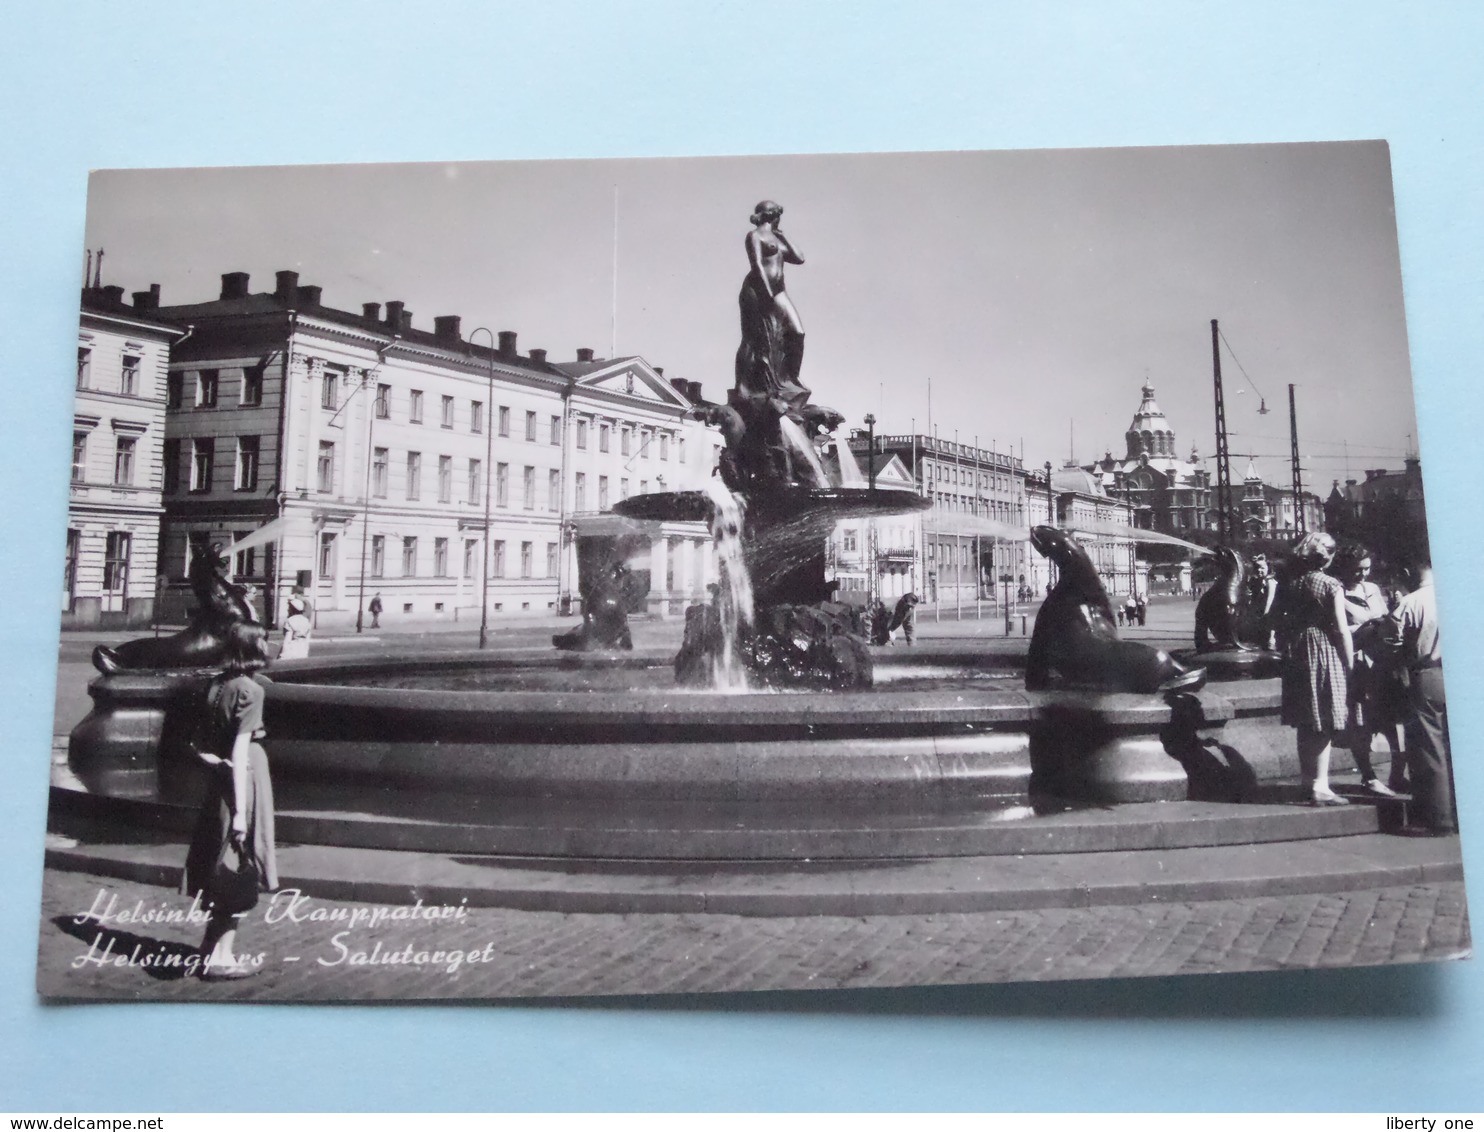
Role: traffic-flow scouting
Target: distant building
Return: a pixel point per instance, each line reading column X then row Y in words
column 118, row 433
column 369, row 446
column 1268, row 512
column 1079, row 502
column 1167, row 493
column 973, row 534
column 1386, row 512
column 875, row 557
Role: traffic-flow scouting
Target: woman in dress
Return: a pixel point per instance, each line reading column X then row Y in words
column 236, row 820
column 1371, row 696
column 1318, row 656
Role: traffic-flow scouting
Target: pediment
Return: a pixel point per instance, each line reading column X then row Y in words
column 632, row 378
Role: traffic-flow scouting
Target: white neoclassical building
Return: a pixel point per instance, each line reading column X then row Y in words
column 366, row 453
column 118, row 431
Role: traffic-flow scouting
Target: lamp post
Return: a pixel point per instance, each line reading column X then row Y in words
column 871, row 451
column 1050, row 504
column 489, row 455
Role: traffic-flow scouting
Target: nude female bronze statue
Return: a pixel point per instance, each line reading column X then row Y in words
column 772, row 350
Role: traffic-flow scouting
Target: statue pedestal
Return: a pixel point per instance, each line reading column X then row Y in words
column 1235, row 664
column 136, row 740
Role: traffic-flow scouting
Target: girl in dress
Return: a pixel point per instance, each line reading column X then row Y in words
column 236, row 820
column 1318, row 656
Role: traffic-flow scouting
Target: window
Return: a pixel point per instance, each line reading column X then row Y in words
column 556, row 429
column 415, row 406
column 409, row 557
column 623, row 488
column 848, row 541
column 174, row 390
column 326, row 555
column 380, row 463
column 246, row 560
column 664, row 446
column 440, row 558
column 252, row 386
column 680, row 449
column 623, row 441
column 497, row 558
column 554, row 490
column 504, row 420
column 502, row 485
column 579, row 491
column 84, row 366
column 471, row 556
column 527, row 552
column 206, row 385
column 602, row 493
column 329, row 390
column 476, row 482
column 551, row 560
column 445, row 479
column 129, row 376
column 447, row 418
column 476, row 416
column 116, row 561
column 170, row 456
column 80, row 457
column 69, row 572
column 203, row 452
column 247, row 463
column 644, row 443
column 643, row 487
column 378, row 556
column 414, row 475
column 582, row 434
column 603, row 436
column 530, row 425
column 529, row 488
column 326, row 466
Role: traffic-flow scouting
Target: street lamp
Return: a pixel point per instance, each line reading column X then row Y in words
column 1050, row 504
column 871, row 451
column 489, row 456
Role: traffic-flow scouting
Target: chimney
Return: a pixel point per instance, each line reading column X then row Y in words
column 148, row 300
column 539, row 357
column 371, row 312
column 693, row 391
column 507, row 344
column 406, row 323
column 286, row 284
column 676, row 383
column 394, row 313
column 584, row 353
column 660, row 370
column 234, row 285
column 308, row 295
column 446, row 328
column 113, row 295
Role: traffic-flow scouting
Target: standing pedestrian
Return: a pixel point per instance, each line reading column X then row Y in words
column 1412, row 631
column 296, row 630
column 234, row 829
column 1370, row 709
column 375, row 610
column 1141, row 607
column 904, row 616
column 1317, row 659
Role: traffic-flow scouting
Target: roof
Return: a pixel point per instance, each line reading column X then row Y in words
column 109, row 303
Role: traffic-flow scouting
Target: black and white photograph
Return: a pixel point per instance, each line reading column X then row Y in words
column 512, row 579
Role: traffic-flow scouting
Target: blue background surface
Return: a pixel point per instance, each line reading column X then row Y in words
column 178, row 84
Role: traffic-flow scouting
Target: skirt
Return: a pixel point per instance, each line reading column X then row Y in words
column 1316, row 693
column 213, row 831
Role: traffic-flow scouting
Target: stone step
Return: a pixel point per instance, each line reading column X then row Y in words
column 717, row 832
column 958, row 884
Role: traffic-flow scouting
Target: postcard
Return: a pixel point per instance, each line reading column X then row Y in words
column 659, row 576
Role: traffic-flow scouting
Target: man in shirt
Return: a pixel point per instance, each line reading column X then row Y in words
column 1412, row 629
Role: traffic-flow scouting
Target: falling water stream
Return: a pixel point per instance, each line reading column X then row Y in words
column 800, row 447
column 735, row 597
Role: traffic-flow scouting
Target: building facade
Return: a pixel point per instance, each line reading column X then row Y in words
column 365, row 453
column 1268, row 512
column 875, row 557
column 1167, row 493
column 118, row 433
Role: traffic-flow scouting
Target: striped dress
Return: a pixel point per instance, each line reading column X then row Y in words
column 1315, row 688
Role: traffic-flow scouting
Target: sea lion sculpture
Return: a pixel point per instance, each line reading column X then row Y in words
column 220, row 603
column 1076, row 637
column 1219, row 614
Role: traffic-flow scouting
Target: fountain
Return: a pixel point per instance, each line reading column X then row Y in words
column 774, row 735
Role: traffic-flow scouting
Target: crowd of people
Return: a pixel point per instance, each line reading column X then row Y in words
column 1360, row 660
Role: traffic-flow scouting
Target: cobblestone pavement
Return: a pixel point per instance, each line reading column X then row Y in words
column 489, row 953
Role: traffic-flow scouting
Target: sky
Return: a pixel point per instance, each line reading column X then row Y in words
column 1019, row 298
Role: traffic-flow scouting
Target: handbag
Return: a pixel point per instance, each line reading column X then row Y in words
column 234, row 890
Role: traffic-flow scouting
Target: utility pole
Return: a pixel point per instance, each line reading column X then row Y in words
column 1223, row 454
column 1299, row 524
